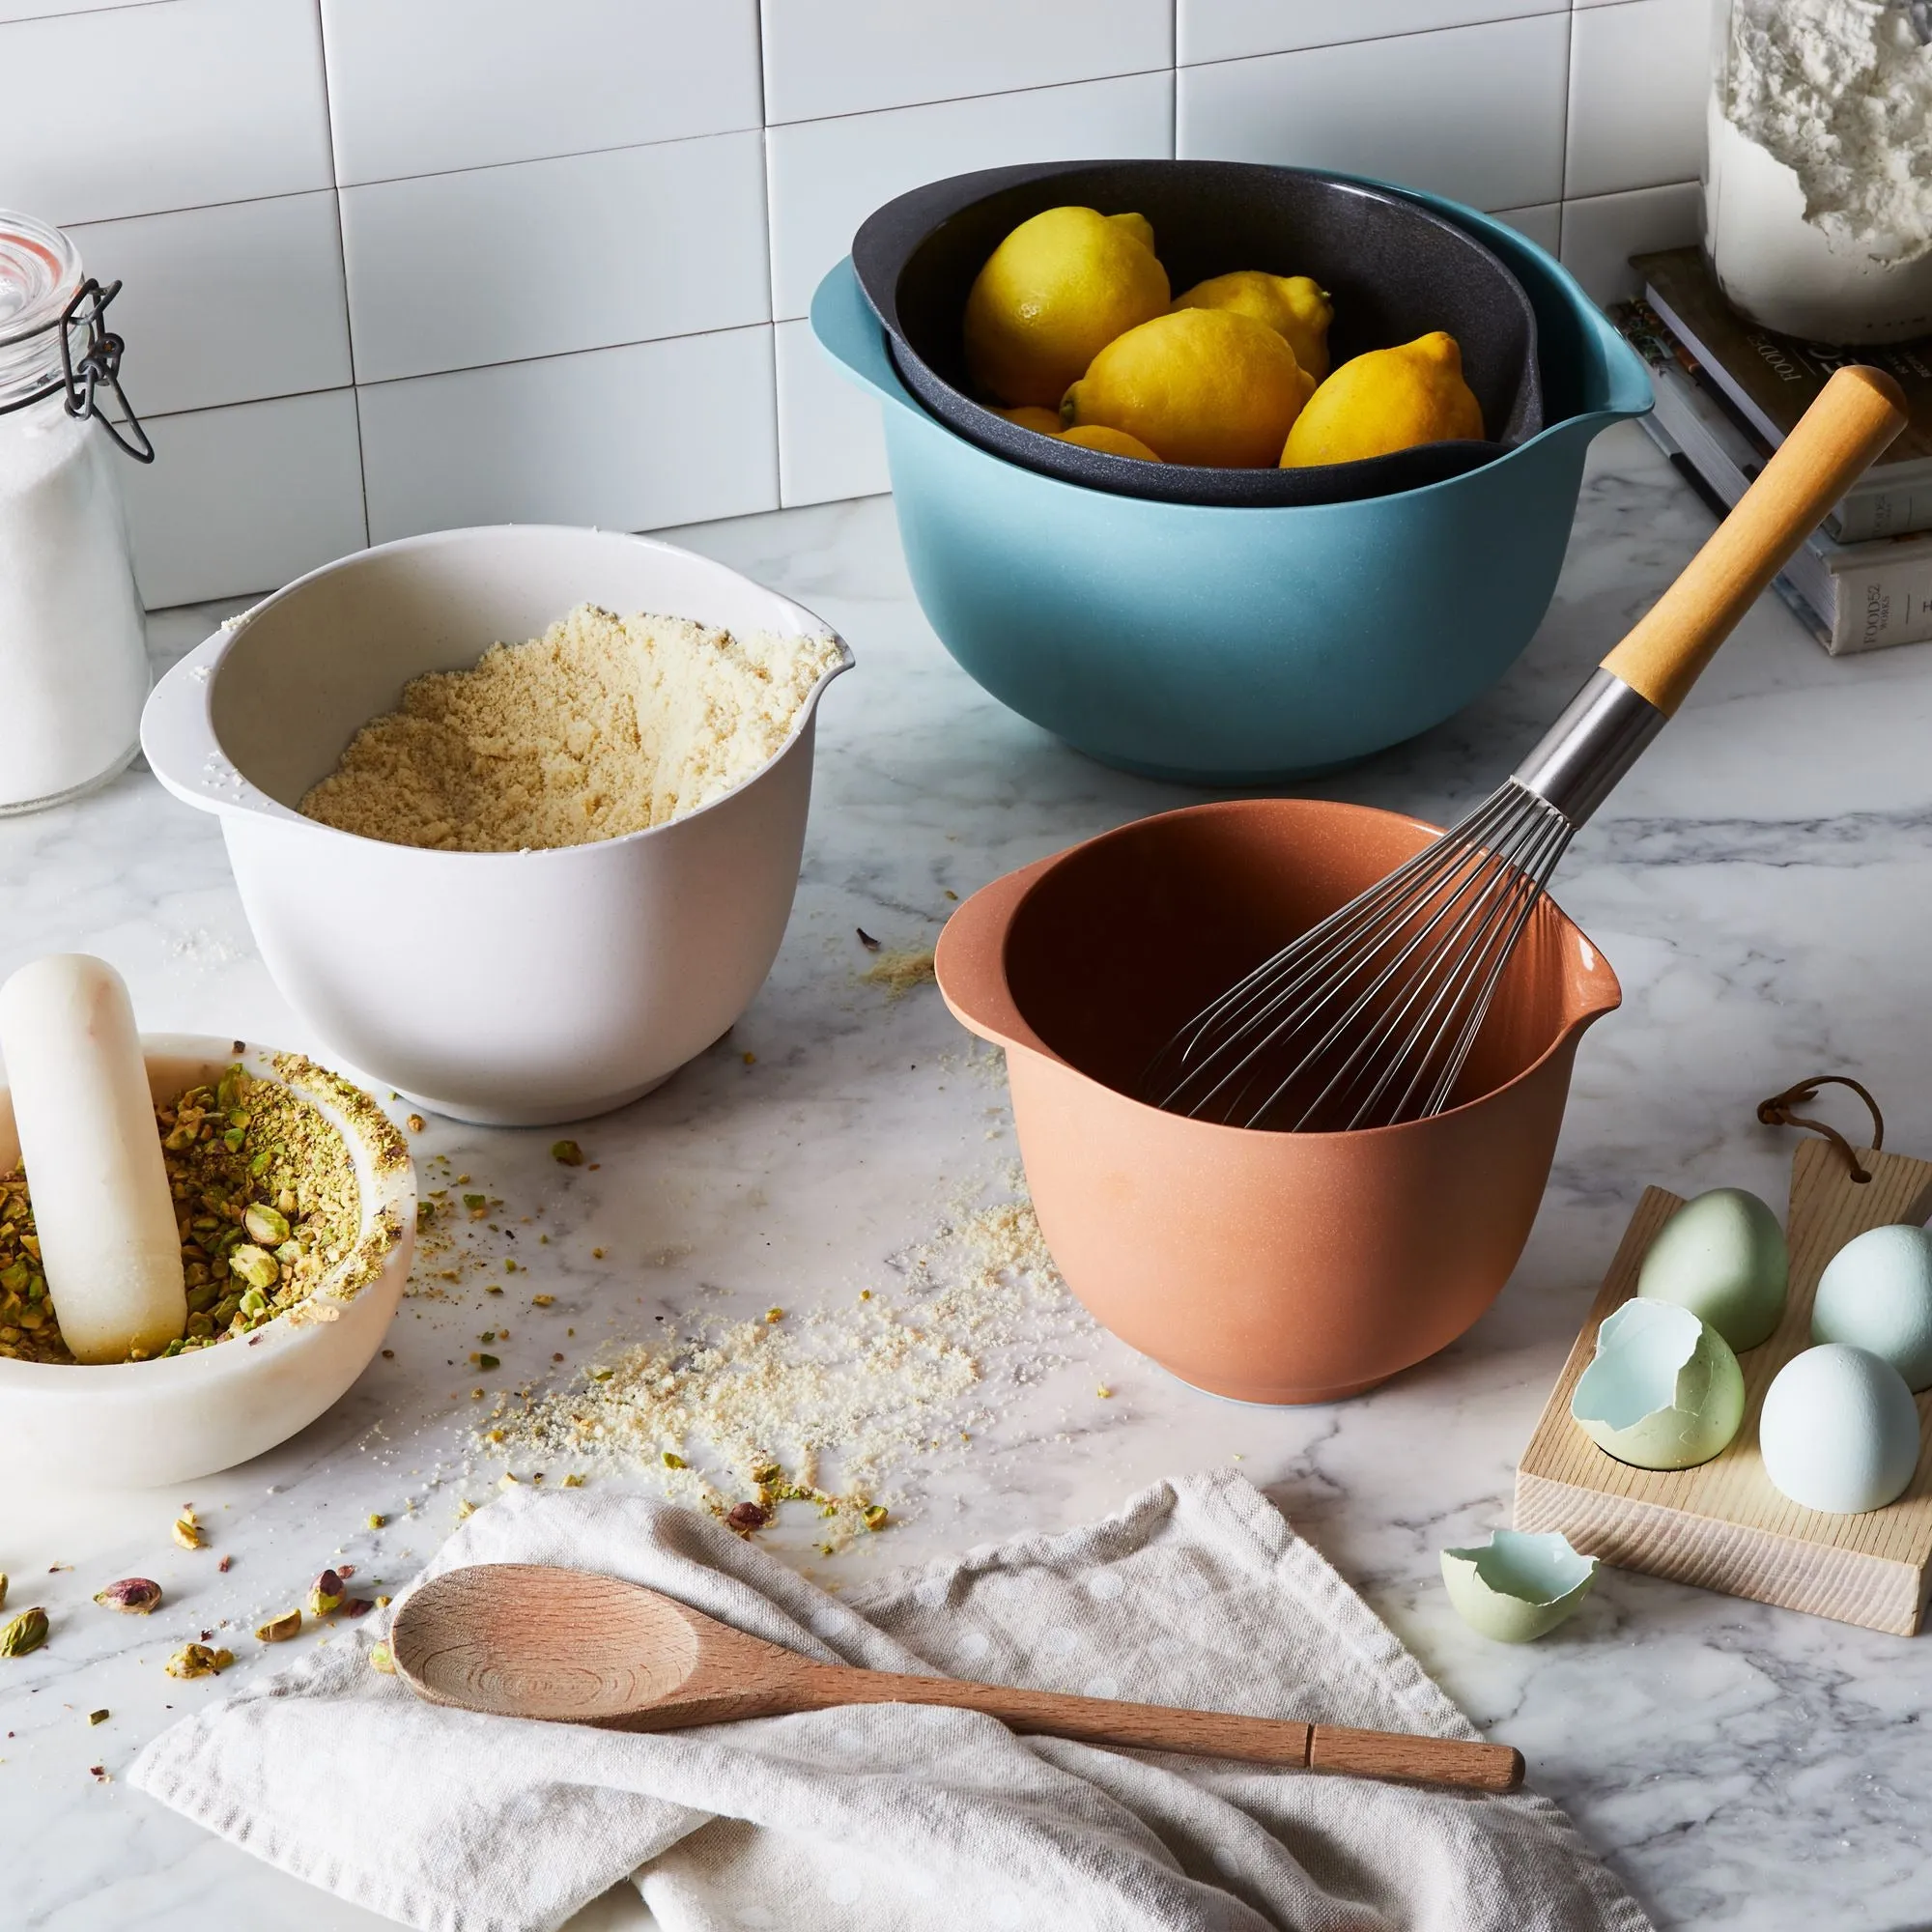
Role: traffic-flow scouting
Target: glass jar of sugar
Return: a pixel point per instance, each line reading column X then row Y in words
column 74, row 661
column 1818, row 171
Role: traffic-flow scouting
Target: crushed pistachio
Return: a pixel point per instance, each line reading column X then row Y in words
column 377, row 1521
column 97, row 1717
column 3, row 1587
column 136, row 1596
column 188, row 1529
column 875, row 1515
column 268, row 1227
column 379, row 1659
column 278, row 1630
column 672, row 1461
column 417, row 1124
column 567, row 1153
column 543, row 1301
column 326, row 1594
column 27, row 1632
column 267, row 1205
column 572, row 1481
column 198, row 1660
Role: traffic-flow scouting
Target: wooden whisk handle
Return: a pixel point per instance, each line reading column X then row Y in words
column 1856, row 414
column 1103, row 1721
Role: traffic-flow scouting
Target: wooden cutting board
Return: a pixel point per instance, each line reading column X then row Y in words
column 1722, row 1526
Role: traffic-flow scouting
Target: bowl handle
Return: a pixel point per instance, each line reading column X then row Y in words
column 969, row 961
column 849, row 333
column 178, row 735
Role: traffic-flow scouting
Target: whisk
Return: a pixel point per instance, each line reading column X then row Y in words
column 1369, row 1018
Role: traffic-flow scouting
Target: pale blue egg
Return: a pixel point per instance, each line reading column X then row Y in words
column 1722, row 1256
column 1839, row 1430
column 1877, row 1295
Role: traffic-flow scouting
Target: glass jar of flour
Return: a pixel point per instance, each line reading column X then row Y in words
column 1818, row 175
column 74, row 661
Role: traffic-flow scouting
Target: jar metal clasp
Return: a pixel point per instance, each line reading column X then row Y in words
column 96, row 366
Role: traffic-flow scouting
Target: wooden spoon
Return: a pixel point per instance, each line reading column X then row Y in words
column 567, row 1646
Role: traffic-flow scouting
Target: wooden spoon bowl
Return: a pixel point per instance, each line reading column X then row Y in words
column 568, row 1646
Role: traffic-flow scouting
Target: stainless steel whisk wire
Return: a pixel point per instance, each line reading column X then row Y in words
column 1215, row 1065
column 1370, row 1017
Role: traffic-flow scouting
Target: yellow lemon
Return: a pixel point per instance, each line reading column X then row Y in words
column 1053, row 294
column 1030, row 415
column 1115, row 442
column 1292, row 305
column 1388, row 399
column 1202, row 386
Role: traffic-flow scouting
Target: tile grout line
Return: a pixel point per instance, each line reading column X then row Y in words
column 1544, row 12
column 771, row 263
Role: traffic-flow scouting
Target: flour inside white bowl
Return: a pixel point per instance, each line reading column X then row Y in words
column 602, row 727
column 1819, row 182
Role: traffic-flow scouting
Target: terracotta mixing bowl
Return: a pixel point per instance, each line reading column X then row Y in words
column 1272, row 1268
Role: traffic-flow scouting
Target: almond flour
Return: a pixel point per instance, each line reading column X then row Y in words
column 602, row 727
column 829, row 1406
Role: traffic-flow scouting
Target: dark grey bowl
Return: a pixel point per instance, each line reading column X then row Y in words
column 1395, row 270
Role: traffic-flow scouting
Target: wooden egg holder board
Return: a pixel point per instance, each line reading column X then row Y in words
column 1722, row 1526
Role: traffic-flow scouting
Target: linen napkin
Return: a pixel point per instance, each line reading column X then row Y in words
column 874, row 1818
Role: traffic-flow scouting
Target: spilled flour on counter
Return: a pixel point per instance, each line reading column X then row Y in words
column 602, row 727
column 830, row 1406
column 899, row 973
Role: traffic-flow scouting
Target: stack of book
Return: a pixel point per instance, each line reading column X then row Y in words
column 1729, row 393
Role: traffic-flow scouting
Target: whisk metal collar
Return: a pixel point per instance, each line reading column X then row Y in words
column 1601, row 734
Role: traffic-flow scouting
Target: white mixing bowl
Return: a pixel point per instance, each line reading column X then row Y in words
column 507, row 987
column 165, row 1421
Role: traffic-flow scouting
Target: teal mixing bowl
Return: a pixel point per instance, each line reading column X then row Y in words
column 1220, row 645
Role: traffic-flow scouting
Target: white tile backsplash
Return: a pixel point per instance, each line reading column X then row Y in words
column 497, row 265
column 567, row 224
column 426, row 86
column 1471, row 112
column 825, row 57
column 628, row 439
column 187, row 104
column 827, row 176
column 36, row 10
column 1601, row 233
column 226, row 304
column 1217, row 30
column 1543, row 225
column 242, row 500
column 1638, row 78
column 830, row 440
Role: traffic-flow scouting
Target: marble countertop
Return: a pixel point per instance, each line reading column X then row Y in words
column 1763, row 884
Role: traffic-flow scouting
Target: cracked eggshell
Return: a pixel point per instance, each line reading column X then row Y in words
column 1839, row 1431
column 1664, row 1391
column 1723, row 1257
column 1876, row 1294
column 1517, row 1586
